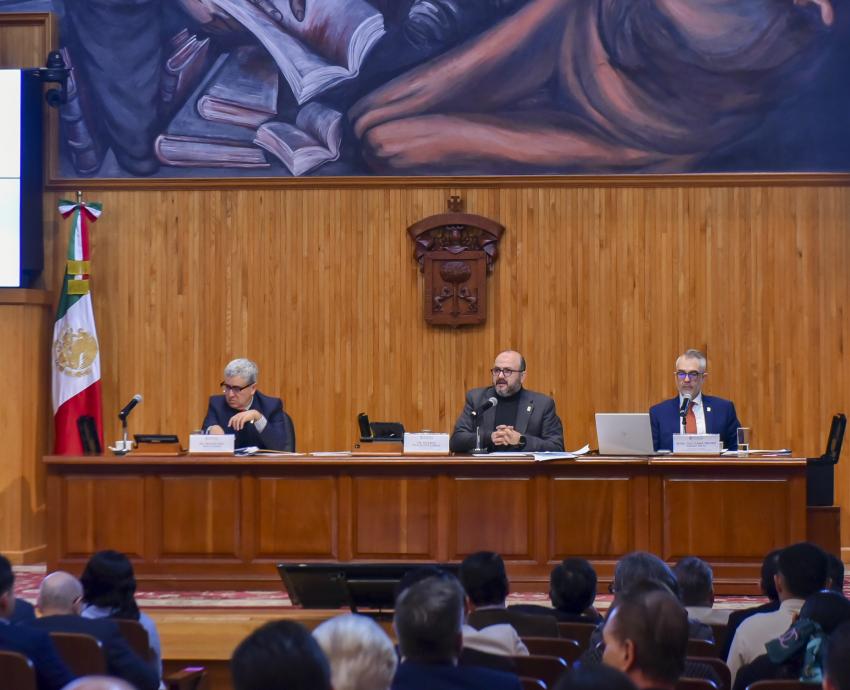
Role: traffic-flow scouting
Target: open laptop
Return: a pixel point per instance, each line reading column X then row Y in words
column 624, row 433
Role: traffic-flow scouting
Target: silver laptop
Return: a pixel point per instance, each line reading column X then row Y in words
column 624, row 433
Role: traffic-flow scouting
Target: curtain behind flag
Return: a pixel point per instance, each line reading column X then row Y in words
column 75, row 351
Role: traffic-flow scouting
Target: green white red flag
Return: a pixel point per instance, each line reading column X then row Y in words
column 76, row 351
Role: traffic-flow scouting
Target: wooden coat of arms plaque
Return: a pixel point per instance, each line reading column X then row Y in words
column 456, row 251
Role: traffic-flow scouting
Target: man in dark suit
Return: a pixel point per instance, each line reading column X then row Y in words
column 572, row 590
column 427, row 620
column 521, row 420
column 485, row 581
column 51, row 673
column 256, row 419
column 704, row 414
column 60, row 600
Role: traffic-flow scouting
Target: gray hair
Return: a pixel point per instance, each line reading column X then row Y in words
column 361, row 654
column 694, row 354
column 243, row 368
column 59, row 591
column 98, row 683
column 428, row 618
column 637, row 566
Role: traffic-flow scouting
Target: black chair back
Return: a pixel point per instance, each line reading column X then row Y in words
column 820, row 472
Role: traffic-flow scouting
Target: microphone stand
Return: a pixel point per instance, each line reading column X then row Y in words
column 478, row 448
column 123, row 446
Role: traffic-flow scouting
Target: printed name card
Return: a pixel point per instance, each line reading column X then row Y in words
column 426, row 442
column 696, row 444
column 208, row 443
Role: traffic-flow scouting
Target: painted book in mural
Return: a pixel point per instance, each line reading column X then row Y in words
column 313, row 140
column 79, row 123
column 321, row 50
column 184, row 68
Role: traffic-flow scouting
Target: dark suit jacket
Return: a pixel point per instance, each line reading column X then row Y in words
column 720, row 418
column 526, row 624
column 536, row 420
column 121, row 661
column 415, row 676
column 24, row 612
column 51, row 672
column 279, row 433
column 557, row 614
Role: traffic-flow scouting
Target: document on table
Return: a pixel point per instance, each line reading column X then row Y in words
column 332, row 454
column 561, row 455
column 256, row 450
column 756, row 451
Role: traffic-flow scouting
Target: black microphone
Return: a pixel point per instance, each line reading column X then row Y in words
column 490, row 402
column 137, row 398
column 686, row 401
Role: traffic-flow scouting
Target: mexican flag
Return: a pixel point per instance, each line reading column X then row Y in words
column 75, row 352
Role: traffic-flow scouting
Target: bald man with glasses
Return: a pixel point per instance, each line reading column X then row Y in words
column 691, row 412
column 522, row 420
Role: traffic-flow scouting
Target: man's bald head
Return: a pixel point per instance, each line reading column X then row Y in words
column 60, row 594
column 99, row 683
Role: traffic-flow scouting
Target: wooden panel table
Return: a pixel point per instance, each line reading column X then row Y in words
column 224, row 522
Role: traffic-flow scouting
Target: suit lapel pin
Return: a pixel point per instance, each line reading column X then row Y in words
column 708, row 409
column 528, row 409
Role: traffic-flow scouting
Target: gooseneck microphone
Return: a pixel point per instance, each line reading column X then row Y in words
column 476, row 418
column 490, row 402
column 686, row 403
column 128, row 408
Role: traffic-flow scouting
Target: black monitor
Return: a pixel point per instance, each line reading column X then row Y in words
column 353, row 585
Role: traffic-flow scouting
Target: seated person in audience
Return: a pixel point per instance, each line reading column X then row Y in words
column 572, row 590
column 50, row 671
column 99, row 683
column 836, row 573
column 802, row 572
column 646, row 637
column 696, row 591
column 280, row 655
column 836, row 667
column 109, row 591
column 594, row 677
column 60, row 601
column 256, row 419
column 705, row 415
column 427, row 621
column 768, row 587
column 360, row 653
column 24, row 612
column 485, row 581
column 523, row 420
column 796, row 654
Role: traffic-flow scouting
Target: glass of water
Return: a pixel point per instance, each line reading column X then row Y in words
column 743, row 439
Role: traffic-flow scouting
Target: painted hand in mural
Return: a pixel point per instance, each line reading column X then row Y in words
column 826, row 12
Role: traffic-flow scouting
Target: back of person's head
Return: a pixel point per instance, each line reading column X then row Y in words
column 695, row 580
column 594, row 677
column 484, row 578
column 109, row 582
column 572, row 585
column 361, row 655
column 98, row 683
column 803, row 569
column 417, row 574
column 836, row 664
column 7, row 588
column 640, row 565
column 647, row 634
column 428, row 618
column 59, row 593
column 826, row 608
column 280, row 655
column 836, row 573
column 769, row 568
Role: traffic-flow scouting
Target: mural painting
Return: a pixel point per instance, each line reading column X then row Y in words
column 275, row 88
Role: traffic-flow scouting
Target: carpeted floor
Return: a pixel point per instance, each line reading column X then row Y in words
column 28, row 578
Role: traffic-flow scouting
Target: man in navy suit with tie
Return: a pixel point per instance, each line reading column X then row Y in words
column 703, row 414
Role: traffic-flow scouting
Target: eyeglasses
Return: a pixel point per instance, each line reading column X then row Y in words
column 233, row 389
column 498, row 371
column 682, row 375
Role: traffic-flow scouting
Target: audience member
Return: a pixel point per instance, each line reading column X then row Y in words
column 696, row 591
column 768, row 587
column 99, row 683
column 60, row 601
column 646, row 637
column 572, row 590
column 361, row 655
column 485, row 580
column 24, row 612
column 51, row 673
column 280, row 655
column 836, row 662
column 797, row 654
column 594, row 677
column 802, row 572
column 835, row 581
column 428, row 619
column 109, row 589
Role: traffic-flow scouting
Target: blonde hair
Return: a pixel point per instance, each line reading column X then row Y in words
column 361, row 655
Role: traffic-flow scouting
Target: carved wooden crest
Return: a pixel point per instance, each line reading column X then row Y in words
column 456, row 251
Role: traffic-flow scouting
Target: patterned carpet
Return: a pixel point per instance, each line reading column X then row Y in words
column 28, row 578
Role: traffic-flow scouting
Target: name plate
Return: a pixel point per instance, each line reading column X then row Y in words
column 436, row 444
column 696, row 444
column 209, row 443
